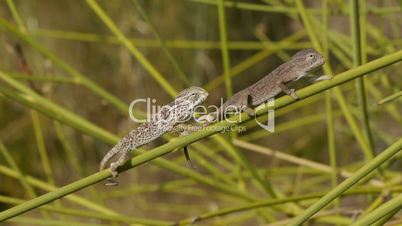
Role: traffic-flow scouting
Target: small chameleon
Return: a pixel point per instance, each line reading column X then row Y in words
column 300, row 65
column 170, row 115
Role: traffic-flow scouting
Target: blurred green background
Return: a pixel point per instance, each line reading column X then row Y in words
column 94, row 64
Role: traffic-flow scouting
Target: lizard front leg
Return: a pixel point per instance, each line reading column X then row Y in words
column 245, row 105
column 285, row 89
column 313, row 78
column 323, row 78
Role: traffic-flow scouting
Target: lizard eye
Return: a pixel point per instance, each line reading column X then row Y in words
column 193, row 95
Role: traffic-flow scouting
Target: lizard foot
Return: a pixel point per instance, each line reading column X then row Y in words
column 113, row 169
column 293, row 94
column 323, row 77
column 249, row 111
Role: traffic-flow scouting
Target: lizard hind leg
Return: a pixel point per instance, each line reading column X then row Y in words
column 119, row 162
column 113, row 169
column 289, row 92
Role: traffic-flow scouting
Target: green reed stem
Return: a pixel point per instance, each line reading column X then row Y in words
column 355, row 22
column 224, row 48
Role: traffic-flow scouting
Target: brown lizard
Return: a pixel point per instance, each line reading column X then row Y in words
column 170, row 115
column 300, row 65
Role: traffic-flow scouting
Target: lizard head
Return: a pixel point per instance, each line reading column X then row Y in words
column 308, row 60
column 193, row 95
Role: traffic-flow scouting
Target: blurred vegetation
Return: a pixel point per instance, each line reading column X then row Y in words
column 69, row 69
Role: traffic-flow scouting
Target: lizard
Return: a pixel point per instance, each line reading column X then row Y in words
column 169, row 116
column 301, row 64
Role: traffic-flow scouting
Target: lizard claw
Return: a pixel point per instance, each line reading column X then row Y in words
column 189, row 164
column 206, row 118
column 110, row 182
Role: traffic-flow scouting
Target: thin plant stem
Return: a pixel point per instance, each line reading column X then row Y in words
column 390, row 98
column 356, row 21
column 16, row 16
column 40, row 141
column 329, row 106
column 386, row 218
column 224, row 48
